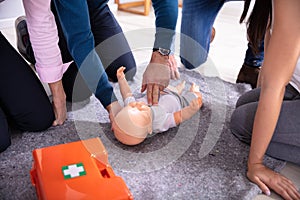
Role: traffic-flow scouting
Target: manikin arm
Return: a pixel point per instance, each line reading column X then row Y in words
column 124, row 87
column 188, row 112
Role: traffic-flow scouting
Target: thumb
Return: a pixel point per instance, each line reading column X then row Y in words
column 143, row 88
column 54, row 123
column 177, row 74
column 262, row 186
column 173, row 76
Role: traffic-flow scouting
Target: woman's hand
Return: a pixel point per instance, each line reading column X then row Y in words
column 266, row 178
column 58, row 102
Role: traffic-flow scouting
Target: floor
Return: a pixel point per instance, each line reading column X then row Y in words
column 225, row 57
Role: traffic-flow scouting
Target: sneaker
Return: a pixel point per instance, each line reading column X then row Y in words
column 23, row 41
column 248, row 75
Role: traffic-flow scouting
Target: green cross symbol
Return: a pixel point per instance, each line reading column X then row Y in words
column 72, row 171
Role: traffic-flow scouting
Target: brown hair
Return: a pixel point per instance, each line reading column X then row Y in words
column 259, row 20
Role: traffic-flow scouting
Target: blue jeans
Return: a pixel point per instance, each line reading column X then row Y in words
column 166, row 13
column 198, row 17
column 89, row 23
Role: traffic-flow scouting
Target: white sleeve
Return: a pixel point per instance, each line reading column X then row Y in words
column 129, row 100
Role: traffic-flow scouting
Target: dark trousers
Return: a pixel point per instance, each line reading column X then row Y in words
column 285, row 143
column 23, row 100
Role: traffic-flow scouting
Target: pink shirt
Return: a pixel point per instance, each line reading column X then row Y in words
column 44, row 39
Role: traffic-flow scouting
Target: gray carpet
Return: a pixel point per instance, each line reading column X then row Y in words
column 200, row 159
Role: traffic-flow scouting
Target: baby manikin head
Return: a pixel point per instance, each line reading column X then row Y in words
column 133, row 123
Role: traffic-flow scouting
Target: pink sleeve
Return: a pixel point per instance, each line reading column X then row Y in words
column 44, row 39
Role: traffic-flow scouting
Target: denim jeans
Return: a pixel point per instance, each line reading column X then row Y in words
column 89, row 23
column 198, row 17
column 166, row 13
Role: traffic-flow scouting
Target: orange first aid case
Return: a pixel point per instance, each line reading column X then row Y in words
column 77, row 170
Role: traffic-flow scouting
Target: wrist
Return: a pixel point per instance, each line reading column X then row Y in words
column 55, row 85
column 186, row 113
column 120, row 76
column 108, row 108
column 57, row 89
column 177, row 117
column 157, row 58
column 162, row 51
column 254, row 161
column 253, row 166
column 113, row 106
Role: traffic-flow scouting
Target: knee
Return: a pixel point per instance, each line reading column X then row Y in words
column 193, row 62
column 241, row 101
column 126, row 60
column 192, row 55
column 251, row 96
column 41, row 123
column 4, row 144
column 187, row 64
column 39, row 120
column 4, row 133
column 130, row 73
column 4, row 139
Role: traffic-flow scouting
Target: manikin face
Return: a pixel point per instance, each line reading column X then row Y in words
column 139, row 113
column 133, row 123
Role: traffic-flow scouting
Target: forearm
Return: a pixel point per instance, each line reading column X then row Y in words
column 184, row 114
column 272, row 81
column 282, row 51
column 166, row 13
column 265, row 122
column 57, row 90
column 44, row 39
column 58, row 102
column 124, row 88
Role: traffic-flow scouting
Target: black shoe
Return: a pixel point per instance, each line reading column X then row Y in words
column 23, row 41
column 248, row 75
